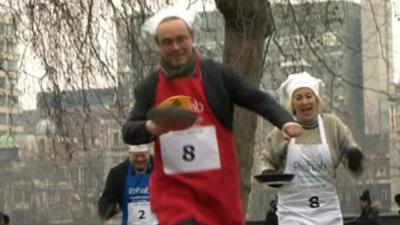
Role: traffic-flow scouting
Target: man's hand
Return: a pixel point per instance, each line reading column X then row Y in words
column 291, row 130
column 154, row 129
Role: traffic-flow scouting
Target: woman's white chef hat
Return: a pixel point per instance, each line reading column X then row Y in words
column 299, row 80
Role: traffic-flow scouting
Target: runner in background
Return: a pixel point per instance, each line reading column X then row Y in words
column 127, row 186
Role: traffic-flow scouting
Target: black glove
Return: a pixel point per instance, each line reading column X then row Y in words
column 271, row 171
column 354, row 158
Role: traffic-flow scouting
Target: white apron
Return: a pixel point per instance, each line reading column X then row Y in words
column 310, row 199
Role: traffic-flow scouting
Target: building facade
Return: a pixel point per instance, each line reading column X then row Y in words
column 324, row 39
column 381, row 114
column 10, row 109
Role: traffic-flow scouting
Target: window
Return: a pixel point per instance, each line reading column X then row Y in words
column 381, row 172
column 42, row 145
column 116, row 138
column 8, row 64
column 394, row 114
column 2, row 82
column 8, row 100
column 385, row 195
column 3, row 46
column 3, row 65
column 3, row 101
column 3, row 28
column 6, row 28
column 53, row 198
column 347, row 196
column 12, row 65
column 3, row 118
column 340, row 195
column 19, row 195
column 2, row 200
column 117, row 159
column 74, row 175
column 330, row 39
column 7, row 46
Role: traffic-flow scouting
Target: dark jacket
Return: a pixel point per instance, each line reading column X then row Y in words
column 369, row 216
column 114, row 189
column 271, row 217
column 223, row 88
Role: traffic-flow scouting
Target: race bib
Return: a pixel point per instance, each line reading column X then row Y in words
column 191, row 150
column 139, row 213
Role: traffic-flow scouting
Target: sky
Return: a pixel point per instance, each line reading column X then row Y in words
column 29, row 83
column 396, row 39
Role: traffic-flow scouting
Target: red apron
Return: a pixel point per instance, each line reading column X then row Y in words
column 198, row 180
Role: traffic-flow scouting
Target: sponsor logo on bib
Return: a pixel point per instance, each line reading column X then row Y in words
column 309, row 166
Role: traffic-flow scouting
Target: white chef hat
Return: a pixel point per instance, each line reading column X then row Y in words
column 299, row 80
column 191, row 19
column 139, row 148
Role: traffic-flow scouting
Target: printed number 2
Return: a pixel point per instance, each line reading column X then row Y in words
column 188, row 153
column 141, row 215
column 314, row 202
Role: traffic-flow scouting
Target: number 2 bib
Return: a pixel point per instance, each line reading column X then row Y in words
column 140, row 214
column 191, row 150
column 136, row 202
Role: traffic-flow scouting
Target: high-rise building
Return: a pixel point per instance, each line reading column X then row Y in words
column 324, row 39
column 377, row 64
column 382, row 105
column 9, row 105
column 9, row 93
column 381, row 99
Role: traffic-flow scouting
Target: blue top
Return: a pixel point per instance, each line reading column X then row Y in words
column 136, row 190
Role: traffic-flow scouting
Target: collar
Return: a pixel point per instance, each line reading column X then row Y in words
column 309, row 125
column 187, row 70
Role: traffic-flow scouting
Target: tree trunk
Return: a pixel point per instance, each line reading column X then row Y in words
column 247, row 24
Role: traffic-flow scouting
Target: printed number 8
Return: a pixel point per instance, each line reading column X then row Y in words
column 188, row 153
column 314, row 202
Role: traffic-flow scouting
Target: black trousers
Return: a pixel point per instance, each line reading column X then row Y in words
column 188, row 222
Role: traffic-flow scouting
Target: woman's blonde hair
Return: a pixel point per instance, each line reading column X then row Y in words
column 288, row 103
column 301, row 80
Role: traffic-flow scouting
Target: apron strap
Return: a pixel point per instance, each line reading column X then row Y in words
column 322, row 130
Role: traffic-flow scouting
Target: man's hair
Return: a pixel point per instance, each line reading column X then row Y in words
column 365, row 196
column 397, row 198
column 169, row 19
column 5, row 217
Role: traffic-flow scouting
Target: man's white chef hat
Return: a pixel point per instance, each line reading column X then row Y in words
column 139, row 148
column 191, row 19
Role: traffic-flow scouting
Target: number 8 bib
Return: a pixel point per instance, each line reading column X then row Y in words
column 191, row 150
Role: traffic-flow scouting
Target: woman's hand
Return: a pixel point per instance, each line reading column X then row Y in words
column 354, row 158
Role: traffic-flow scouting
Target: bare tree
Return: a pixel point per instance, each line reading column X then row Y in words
column 77, row 45
column 247, row 24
